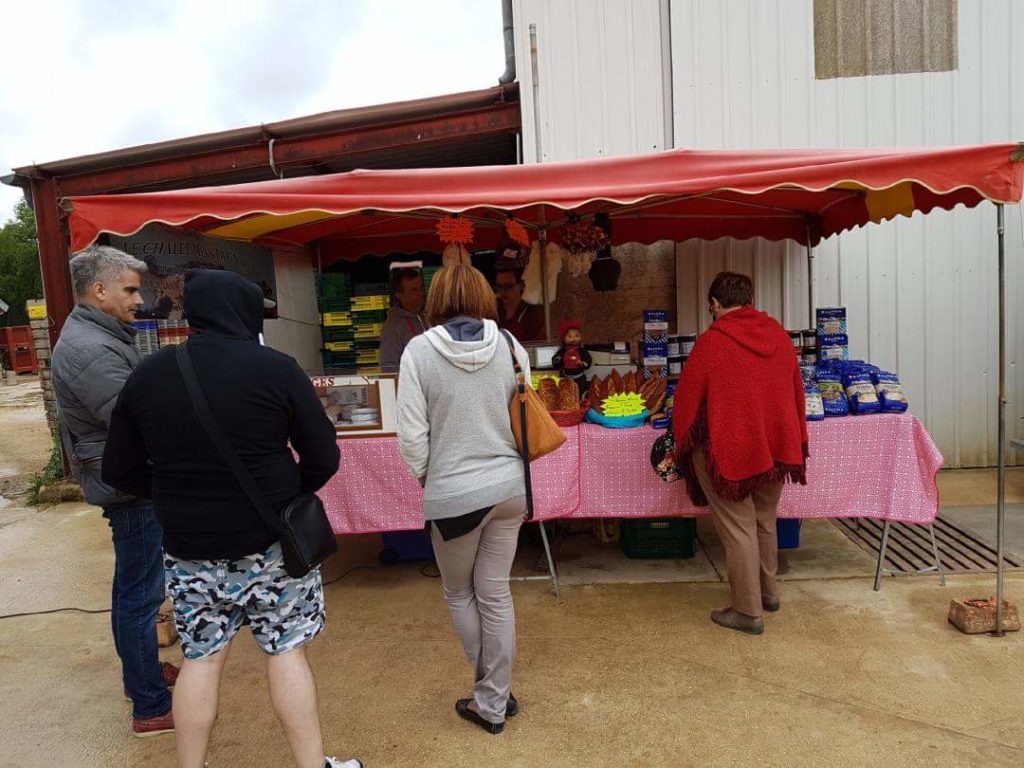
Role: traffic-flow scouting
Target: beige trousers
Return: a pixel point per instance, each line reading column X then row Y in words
column 474, row 571
column 747, row 531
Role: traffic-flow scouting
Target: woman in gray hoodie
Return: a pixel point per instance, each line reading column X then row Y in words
column 454, row 388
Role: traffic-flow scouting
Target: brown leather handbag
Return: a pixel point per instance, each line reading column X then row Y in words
column 536, row 433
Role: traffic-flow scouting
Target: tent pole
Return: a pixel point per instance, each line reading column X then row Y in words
column 542, row 231
column 1001, row 448
column 542, row 246
column 810, row 278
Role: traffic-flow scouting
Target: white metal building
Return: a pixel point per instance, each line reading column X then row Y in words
column 623, row 77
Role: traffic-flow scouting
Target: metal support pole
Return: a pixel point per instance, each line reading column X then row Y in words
column 542, row 245
column 551, row 561
column 810, row 279
column 881, row 555
column 542, row 239
column 935, row 553
column 1001, row 448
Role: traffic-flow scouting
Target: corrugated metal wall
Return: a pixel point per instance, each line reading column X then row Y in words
column 600, row 77
column 921, row 292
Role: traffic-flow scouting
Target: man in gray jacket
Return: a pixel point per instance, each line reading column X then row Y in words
column 91, row 362
column 405, row 320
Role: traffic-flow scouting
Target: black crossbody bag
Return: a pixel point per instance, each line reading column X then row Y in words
column 302, row 527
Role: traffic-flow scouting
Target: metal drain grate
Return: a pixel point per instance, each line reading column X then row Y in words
column 910, row 549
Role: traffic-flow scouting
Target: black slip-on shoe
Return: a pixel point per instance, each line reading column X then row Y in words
column 512, row 707
column 733, row 619
column 771, row 603
column 463, row 710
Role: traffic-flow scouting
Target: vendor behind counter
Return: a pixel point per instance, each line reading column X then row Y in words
column 522, row 320
column 405, row 320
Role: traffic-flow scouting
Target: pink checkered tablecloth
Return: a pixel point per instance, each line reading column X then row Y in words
column 880, row 466
column 373, row 490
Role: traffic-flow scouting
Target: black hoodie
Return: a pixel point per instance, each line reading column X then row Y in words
column 157, row 447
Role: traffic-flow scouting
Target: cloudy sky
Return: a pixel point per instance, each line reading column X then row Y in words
column 82, row 76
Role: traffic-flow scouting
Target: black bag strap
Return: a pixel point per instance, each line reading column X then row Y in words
column 521, row 390
column 220, row 440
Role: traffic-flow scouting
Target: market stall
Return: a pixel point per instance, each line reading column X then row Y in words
column 801, row 195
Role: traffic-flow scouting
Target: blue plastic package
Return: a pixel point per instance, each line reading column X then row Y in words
column 860, row 391
column 815, row 409
column 833, row 396
column 890, row 392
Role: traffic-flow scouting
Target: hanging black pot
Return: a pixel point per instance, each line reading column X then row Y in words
column 604, row 274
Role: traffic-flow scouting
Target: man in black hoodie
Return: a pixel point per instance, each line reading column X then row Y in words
column 223, row 564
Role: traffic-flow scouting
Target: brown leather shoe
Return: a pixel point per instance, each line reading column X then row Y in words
column 168, row 672
column 153, row 726
column 731, row 619
column 770, row 603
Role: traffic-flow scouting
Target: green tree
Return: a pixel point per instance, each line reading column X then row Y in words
column 20, row 278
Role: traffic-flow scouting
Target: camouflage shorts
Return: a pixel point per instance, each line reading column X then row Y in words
column 214, row 598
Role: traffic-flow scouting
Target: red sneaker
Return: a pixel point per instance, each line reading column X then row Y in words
column 153, row 726
column 168, row 672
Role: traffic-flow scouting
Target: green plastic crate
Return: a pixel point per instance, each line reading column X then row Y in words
column 672, row 538
column 337, row 333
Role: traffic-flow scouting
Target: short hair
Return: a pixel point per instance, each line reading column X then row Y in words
column 400, row 275
column 460, row 290
column 100, row 263
column 518, row 272
column 731, row 289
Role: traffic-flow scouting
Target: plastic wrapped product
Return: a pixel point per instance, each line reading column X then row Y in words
column 831, row 321
column 814, row 407
column 833, row 347
column 833, row 396
column 860, row 391
column 890, row 392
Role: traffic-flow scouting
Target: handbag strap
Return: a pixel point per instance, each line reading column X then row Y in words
column 525, row 453
column 220, row 440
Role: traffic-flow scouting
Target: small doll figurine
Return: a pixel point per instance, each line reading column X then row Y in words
column 572, row 359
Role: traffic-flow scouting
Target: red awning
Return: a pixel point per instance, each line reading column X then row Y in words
column 673, row 195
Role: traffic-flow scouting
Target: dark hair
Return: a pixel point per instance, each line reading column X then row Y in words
column 731, row 289
column 400, row 275
column 460, row 290
column 516, row 272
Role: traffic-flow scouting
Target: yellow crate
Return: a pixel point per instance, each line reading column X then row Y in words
column 36, row 311
column 336, row 319
column 368, row 357
column 369, row 303
column 365, row 332
column 338, row 346
column 372, row 370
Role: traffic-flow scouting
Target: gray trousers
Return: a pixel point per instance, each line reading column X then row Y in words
column 474, row 571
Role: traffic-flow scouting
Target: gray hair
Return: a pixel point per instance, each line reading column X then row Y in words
column 100, row 263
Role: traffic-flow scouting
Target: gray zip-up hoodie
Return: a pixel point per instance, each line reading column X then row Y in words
column 454, row 389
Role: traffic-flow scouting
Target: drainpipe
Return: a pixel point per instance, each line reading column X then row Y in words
column 509, row 75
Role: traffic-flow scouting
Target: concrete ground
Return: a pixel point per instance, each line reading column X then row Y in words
column 612, row 674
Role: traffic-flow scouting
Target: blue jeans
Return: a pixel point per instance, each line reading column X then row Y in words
column 138, row 592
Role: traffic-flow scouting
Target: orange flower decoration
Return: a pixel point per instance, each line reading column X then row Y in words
column 453, row 229
column 517, row 232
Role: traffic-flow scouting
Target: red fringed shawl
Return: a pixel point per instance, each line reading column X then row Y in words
column 741, row 399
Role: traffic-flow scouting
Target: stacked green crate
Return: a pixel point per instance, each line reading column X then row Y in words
column 336, row 321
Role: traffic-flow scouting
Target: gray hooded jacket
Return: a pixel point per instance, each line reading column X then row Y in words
column 93, row 359
column 454, row 390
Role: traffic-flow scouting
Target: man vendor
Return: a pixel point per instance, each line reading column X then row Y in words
column 524, row 321
column 405, row 320
column 740, row 433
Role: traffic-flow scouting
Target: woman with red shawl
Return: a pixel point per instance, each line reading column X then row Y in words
column 740, row 429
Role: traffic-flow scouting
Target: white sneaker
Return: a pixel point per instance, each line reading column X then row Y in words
column 333, row 762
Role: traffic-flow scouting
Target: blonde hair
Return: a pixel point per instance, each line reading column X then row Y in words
column 460, row 291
